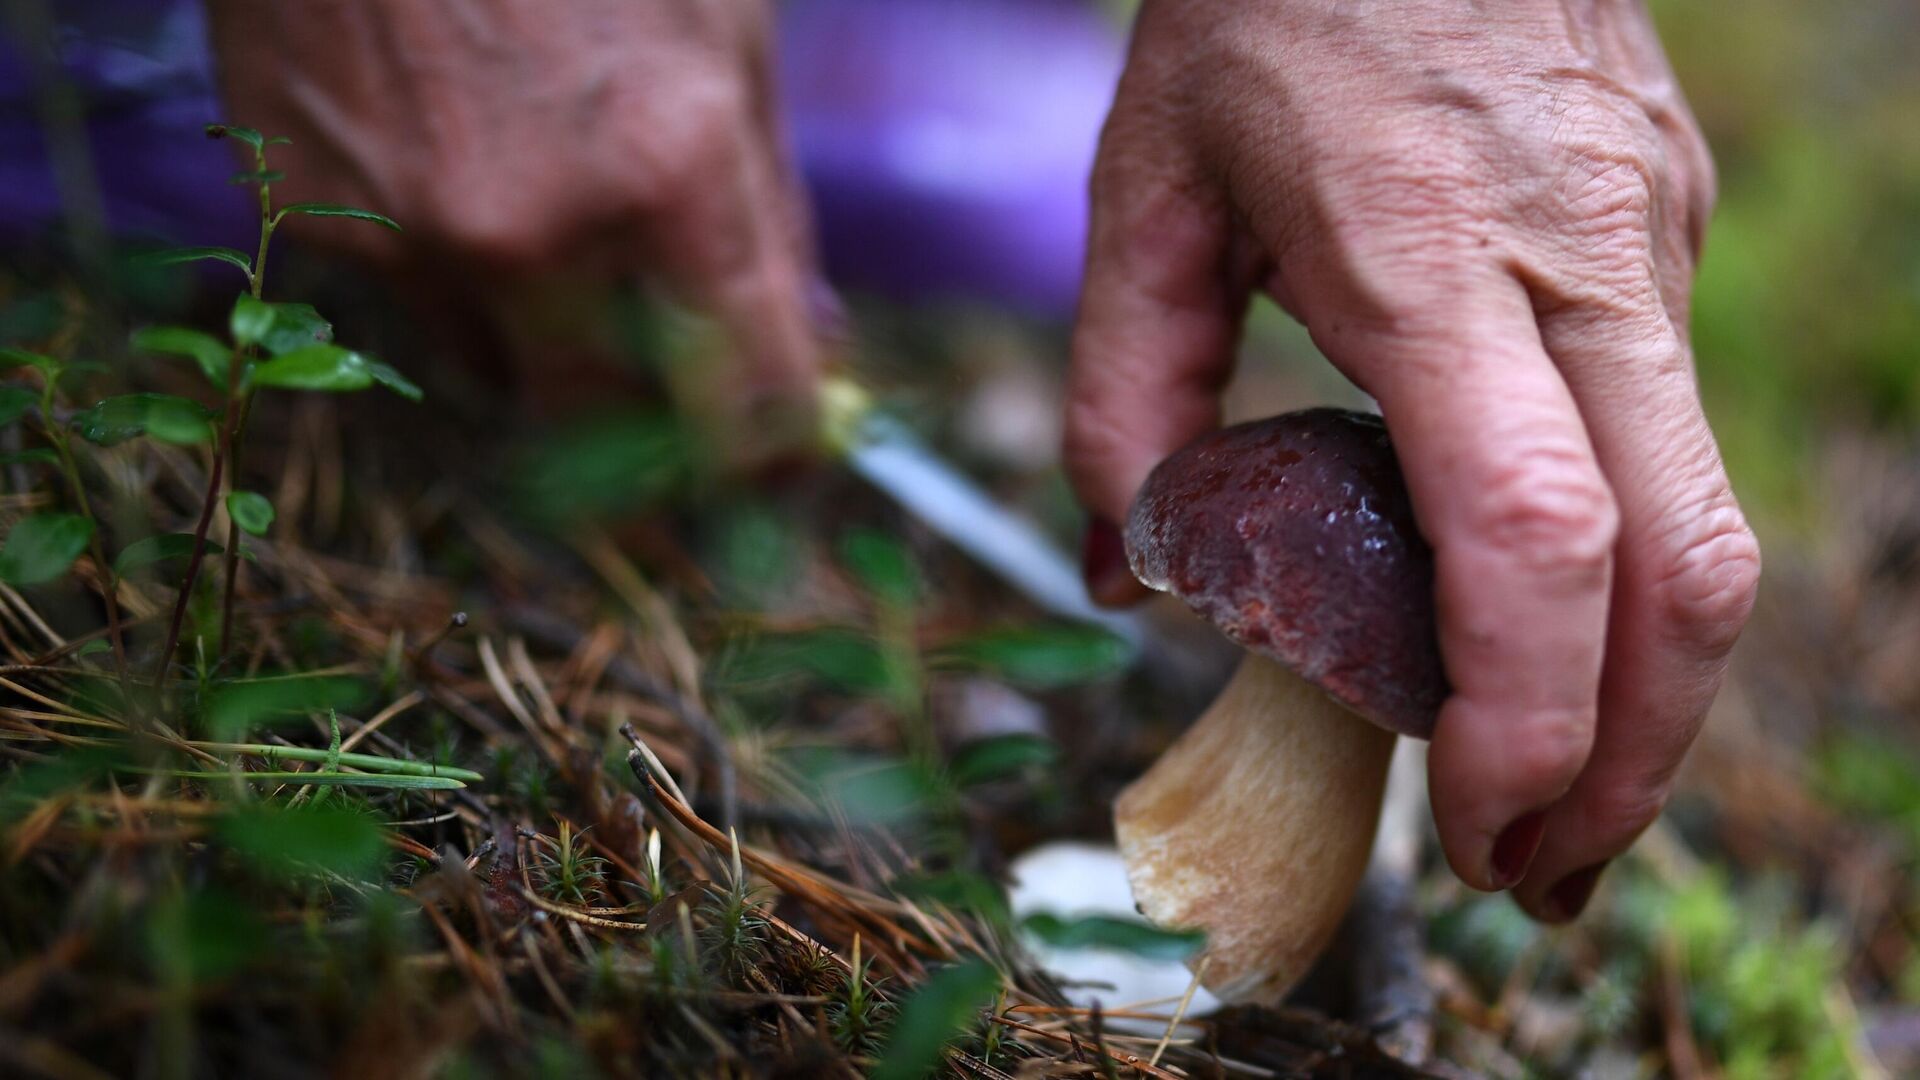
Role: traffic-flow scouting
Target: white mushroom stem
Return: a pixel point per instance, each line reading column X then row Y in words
column 1255, row 827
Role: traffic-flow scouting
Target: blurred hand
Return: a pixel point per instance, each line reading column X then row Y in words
column 1488, row 216
column 520, row 141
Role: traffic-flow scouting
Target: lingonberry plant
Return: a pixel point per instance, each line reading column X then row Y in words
column 285, row 346
column 269, row 345
column 275, row 345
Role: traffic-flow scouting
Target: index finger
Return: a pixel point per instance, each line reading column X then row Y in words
column 734, row 244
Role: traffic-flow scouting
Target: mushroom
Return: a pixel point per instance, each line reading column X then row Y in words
column 1295, row 537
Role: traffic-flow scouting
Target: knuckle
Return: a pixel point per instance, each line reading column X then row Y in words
column 1613, row 196
column 1550, row 511
column 1703, row 173
column 1550, row 748
column 492, row 231
column 672, row 155
column 1621, row 812
column 1711, row 579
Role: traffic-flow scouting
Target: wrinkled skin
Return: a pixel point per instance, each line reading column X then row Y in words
column 538, row 148
column 1487, row 214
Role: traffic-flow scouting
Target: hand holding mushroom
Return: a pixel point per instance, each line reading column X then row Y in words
column 1487, row 217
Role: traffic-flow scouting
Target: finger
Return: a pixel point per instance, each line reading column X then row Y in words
column 758, row 33
column 1152, row 345
column 1686, row 567
column 1507, row 490
column 727, row 239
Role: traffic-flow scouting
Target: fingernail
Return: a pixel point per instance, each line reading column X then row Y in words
column 1103, row 560
column 1514, row 849
column 1569, row 896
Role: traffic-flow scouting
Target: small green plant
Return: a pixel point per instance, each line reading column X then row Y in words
column 83, row 448
column 525, row 778
column 734, row 936
column 567, row 870
column 948, row 1007
column 286, row 346
column 655, row 875
column 858, row 1015
column 268, row 346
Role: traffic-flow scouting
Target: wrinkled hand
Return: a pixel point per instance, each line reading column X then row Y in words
column 1487, row 215
column 513, row 140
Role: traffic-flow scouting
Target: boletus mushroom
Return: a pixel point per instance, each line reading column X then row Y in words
column 1296, row 538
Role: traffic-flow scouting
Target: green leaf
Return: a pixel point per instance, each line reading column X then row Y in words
column 236, row 132
column 1117, row 935
column 42, row 547
column 46, row 365
column 610, row 465
column 316, row 367
column 250, row 320
column 15, row 402
column 320, row 209
column 32, row 316
column 277, row 328
column 230, row 710
column 293, row 842
column 757, row 552
column 29, row 457
column 364, row 762
column 877, row 790
column 1040, row 657
column 388, row 376
column 848, row 660
column 295, row 326
column 163, row 416
column 393, row 781
column 209, row 352
column 251, row 511
column 257, row 176
column 883, row 565
column 25, row 788
column 203, row 934
column 960, row 890
column 1001, row 756
column 153, row 549
column 170, row 256
column 941, row 1010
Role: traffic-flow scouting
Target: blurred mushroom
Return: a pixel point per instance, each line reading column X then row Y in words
column 1296, row 538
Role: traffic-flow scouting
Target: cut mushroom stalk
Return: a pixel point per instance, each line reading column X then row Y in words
column 1294, row 536
column 1256, row 827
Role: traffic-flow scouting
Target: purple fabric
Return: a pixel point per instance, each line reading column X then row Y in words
column 947, row 143
column 144, row 74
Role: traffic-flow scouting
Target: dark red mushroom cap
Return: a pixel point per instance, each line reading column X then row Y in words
column 1296, row 537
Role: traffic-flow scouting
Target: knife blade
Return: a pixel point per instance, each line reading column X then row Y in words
column 888, row 455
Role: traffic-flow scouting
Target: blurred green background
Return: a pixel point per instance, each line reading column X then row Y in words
column 1807, row 314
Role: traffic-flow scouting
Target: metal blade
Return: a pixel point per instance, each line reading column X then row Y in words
column 892, row 459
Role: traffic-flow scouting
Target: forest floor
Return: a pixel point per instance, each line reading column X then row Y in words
column 724, row 778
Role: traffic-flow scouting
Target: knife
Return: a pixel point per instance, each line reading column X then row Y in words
column 888, row 455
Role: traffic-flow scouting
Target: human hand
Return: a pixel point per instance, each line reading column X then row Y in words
column 1488, row 216
column 516, row 142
